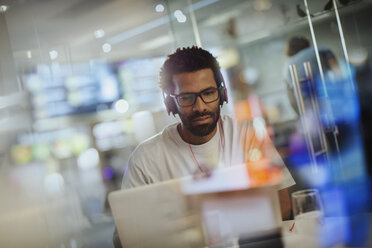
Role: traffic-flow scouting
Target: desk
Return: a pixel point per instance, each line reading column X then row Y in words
column 295, row 240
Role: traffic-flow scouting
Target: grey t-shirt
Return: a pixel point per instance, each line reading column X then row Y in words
column 166, row 156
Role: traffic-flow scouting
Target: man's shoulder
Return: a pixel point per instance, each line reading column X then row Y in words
column 227, row 117
column 155, row 142
column 228, row 121
column 148, row 158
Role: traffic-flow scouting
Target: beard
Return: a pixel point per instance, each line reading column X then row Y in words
column 201, row 130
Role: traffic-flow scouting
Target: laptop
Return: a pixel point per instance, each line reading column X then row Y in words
column 214, row 211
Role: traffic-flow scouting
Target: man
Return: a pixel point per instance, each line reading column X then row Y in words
column 194, row 89
column 188, row 80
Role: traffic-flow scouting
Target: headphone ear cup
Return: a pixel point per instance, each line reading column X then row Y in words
column 222, row 88
column 170, row 105
column 173, row 107
column 223, row 95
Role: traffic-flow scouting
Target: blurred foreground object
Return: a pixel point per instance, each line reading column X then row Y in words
column 263, row 162
column 339, row 174
column 219, row 210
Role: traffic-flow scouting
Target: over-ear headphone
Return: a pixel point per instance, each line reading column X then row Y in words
column 171, row 106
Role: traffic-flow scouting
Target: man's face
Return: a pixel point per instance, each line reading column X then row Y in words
column 201, row 118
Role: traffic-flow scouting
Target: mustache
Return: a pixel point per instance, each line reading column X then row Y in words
column 201, row 114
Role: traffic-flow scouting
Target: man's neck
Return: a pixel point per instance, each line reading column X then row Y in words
column 190, row 138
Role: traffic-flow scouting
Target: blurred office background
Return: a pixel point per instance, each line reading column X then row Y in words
column 78, row 92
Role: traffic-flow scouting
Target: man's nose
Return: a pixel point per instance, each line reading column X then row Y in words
column 199, row 104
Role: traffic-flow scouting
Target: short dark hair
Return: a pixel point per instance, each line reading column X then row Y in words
column 187, row 59
column 296, row 44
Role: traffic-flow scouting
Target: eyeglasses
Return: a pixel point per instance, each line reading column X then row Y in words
column 188, row 99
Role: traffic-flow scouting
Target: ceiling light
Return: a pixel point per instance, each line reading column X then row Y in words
column 29, row 54
column 106, row 47
column 178, row 13
column 99, row 33
column 3, row 8
column 155, row 23
column 180, row 16
column 53, row 54
column 182, row 19
column 159, row 8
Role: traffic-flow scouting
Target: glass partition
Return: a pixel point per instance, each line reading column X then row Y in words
column 73, row 75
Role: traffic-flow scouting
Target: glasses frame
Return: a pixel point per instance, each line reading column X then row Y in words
column 199, row 94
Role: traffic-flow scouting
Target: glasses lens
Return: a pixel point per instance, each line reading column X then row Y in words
column 186, row 99
column 210, row 95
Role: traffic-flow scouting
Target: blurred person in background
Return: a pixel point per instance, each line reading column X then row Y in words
column 204, row 140
column 299, row 51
